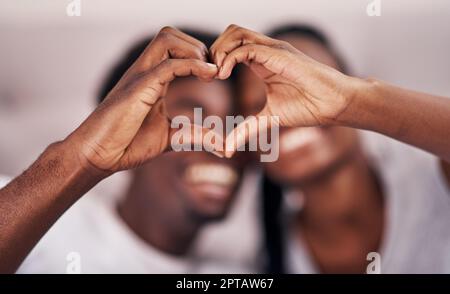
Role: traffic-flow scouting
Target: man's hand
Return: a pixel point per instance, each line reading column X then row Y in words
column 131, row 125
column 299, row 90
column 127, row 129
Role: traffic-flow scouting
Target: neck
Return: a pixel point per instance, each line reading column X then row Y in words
column 347, row 197
column 169, row 230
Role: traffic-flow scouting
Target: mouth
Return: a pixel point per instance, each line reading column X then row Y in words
column 298, row 138
column 211, row 180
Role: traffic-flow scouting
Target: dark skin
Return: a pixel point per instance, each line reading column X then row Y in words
column 304, row 92
column 343, row 214
column 343, row 217
column 130, row 127
column 341, row 229
column 162, row 205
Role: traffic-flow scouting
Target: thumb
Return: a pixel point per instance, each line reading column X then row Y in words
column 249, row 130
column 273, row 60
column 192, row 137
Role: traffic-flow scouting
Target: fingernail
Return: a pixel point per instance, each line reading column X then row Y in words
column 212, row 65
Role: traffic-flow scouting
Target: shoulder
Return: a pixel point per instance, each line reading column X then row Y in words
column 74, row 234
column 405, row 166
column 417, row 204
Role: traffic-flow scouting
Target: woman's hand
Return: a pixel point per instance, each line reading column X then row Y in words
column 299, row 90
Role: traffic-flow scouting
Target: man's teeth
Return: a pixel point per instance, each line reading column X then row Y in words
column 217, row 174
column 297, row 137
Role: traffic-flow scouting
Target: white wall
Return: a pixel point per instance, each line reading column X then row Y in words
column 51, row 64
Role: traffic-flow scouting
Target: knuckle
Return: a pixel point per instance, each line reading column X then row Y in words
column 251, row 49
column 232, row 27
column 163, row 37
column 191, row 63
column 167, row 63
column 240, row 31
column 167, row 29
column 283, row 45
column 196, row 62
column 199, row 52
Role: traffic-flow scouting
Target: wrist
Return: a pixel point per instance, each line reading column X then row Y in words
column 360, row 102
column 57, row 177
column 75, row 165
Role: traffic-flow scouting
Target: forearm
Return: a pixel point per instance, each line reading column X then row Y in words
column 415, row 118
column 32, row 202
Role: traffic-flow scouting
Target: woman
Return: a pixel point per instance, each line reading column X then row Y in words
column 337, row 194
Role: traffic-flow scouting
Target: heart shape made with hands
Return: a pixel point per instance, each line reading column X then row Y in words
column 132, row 126
column 299, row 90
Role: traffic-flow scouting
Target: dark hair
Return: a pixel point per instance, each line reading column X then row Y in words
column 307, row 31
column 119, row 69
column 271, row 207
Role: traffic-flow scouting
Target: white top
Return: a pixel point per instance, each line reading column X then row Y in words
column 417, row 228
column 416, row 236
column 92, row 234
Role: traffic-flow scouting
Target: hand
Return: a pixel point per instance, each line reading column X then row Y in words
column 299, row 90
column 131, row 125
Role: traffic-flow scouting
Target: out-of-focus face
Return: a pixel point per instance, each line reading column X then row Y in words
column 198, row 182
column 305, row 153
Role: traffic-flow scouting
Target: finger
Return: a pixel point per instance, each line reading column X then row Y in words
column 175, row 47
column 248, row 130
column 234, row 37
column 143, row 93
column 260, row 71
column 186, row 37
column 136, row 100
column 272, row 59
column 241, row 135
column 170, row 43
column 151, row 138
column 172, row 68
column 156, row 81
column 197, row 138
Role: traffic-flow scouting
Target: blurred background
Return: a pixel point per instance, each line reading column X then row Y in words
column 51, row 65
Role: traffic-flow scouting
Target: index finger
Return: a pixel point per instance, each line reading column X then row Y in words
column 170, row 43
column 234, row 37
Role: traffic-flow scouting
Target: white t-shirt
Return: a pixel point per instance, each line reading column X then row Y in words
column 417, row 228
column 92, row 232
column 91, row 238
